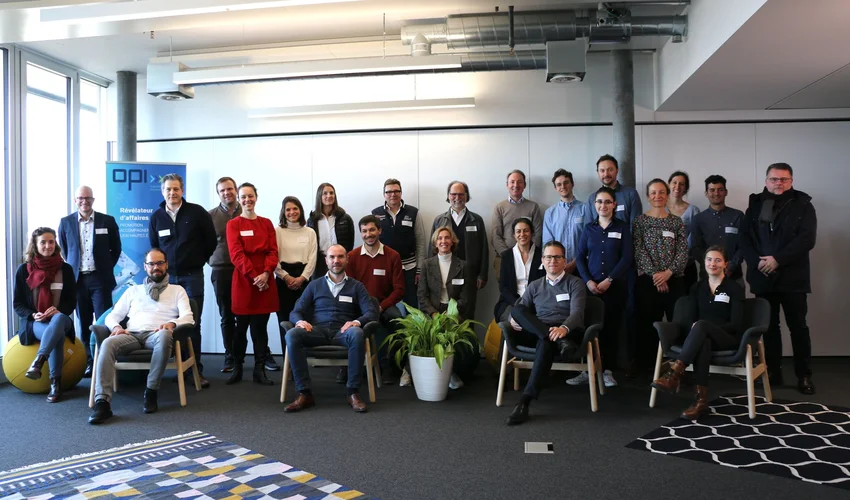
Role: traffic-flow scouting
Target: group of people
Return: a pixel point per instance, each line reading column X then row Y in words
column 306, row 270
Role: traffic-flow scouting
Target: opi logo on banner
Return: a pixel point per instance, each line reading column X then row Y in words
column 132, row 176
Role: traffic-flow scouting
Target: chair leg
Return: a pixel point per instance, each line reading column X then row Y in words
column 181, row 382
column 503, row 371
column 376, row 362
column 591, row 368
column 516, row 378
column 93, row 378
column 751, row 383
column 765, row 381
column 370, row 376
column 285, row 375
column 598, row 361
column 196, row 375
column 656, row 375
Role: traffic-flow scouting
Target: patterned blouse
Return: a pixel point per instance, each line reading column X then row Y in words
column 660, row 244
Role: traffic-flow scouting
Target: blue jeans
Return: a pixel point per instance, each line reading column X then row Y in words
column 299, row 339
column 193, row 282
column 52, row 338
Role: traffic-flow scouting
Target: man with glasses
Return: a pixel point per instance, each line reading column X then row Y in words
column 549, row 315
column 777, row 233
column 719, row 225
column 91, row 244
column 507, row 211
column 565, row 220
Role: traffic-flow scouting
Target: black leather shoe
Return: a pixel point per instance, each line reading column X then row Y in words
column 151, row 405
column 89, row 369
column 519, row 415
column 260, row 376
column 235, row 375
column 270, row 363
column 342, row 376
column 805, row 385
column 102, row 412
column 566, row 348
column 228, row 363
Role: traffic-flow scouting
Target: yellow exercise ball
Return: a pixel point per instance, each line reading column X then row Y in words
column 17, row 359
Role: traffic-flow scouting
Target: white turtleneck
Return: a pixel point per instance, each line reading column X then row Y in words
column 445, row 263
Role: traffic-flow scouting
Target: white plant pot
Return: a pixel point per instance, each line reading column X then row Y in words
column 431, row 383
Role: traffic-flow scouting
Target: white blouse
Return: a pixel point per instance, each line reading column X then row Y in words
column 522, row 269
column 327, row 235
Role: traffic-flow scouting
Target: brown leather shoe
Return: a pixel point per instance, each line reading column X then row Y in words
column 356, row 403
column 302, row 402
column 700, row 406
column 669, row 382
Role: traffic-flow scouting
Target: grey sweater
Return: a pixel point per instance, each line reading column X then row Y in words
column 221, row 257
column 504, row 215
column 543, row 299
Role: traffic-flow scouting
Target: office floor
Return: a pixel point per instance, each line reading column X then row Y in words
column 407, row 449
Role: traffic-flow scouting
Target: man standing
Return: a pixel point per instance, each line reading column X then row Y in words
column 507, row 211
column 629, row 205
column 472, row 245
column 403, row 231
column 379, row 268
column 91, row 245
column 185, row 232
column 777, row 233
column 719, row 225
column 154, row 310
column 332, row 311
column 550, row 315
column 565, row 220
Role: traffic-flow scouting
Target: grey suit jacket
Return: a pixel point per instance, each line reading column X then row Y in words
column 431, row 284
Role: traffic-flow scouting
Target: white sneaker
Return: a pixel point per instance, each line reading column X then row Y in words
column 455, row 382
column 608, row 379
column 579, row 379
column 405, row 380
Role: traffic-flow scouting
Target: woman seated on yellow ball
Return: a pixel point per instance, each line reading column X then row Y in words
column 45, row 299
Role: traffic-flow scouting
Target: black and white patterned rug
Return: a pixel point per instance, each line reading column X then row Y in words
column 798, row 440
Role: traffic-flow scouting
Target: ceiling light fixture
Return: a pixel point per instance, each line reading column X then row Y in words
column 327, row 67
column 150, row 9
column 364, row 107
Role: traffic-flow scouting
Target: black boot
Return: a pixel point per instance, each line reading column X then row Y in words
column 150, row 405
column 55, row 390
column 236, row 375
column 34, row 371
column 260, row 374
column 102, row 411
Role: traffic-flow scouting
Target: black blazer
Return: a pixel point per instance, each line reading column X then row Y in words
column 25, row 308
column 431, row 284
column 106, row 249
column 507, row 278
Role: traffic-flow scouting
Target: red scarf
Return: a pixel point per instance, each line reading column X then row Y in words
column 41, row 271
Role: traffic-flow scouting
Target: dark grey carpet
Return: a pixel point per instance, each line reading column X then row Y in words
column 407, row 449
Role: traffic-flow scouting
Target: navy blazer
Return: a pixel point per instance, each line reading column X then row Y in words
column 107, row 246
column 507, row 278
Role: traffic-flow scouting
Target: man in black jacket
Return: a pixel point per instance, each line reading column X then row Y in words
column 777, row 233
column 185, row 232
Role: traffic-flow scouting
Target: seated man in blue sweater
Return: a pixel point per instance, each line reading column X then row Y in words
column 331, row 311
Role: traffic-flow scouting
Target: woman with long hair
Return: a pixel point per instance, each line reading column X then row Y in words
column 332, row 225
column 680, row 184
column 296, row 254
column 520, row 266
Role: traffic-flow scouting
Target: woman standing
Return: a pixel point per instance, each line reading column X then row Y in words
column 520, row 266
column 296, row 255
column 661, row 252
column 332, row 225
column 45, row 299
column 716, row 308
column 253, row 250
column 680, row 184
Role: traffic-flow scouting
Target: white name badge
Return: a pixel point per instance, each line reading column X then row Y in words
column 408, row 223
column 379, row 272
column 578, row 220
column 668, row 234
column 246, row 233
column 562, row 297
column 302, row 239
column 56, row 286
column 101, row 230
column 345, row 298
column 165, row 232
column 614, row 235
column 721, row 298
column 457, row 281
column 471, row 229
column 731, row 230
column 621, row 208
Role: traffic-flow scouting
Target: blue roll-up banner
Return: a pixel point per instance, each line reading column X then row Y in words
column 132, row 195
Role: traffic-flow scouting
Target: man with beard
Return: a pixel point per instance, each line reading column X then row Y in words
column 154, row 310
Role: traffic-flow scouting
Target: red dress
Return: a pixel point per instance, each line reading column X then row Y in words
column 253, row 250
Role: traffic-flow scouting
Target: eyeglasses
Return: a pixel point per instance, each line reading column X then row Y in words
column 776, row 180
column 158, row 263
column 88, row 199
column 547, row 258
column 393, row 191
column 604, row 202
column 455, row 195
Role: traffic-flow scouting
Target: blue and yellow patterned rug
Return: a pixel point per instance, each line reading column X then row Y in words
column 192, row 466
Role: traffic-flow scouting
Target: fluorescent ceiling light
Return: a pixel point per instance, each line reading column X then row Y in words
column 365, row 107
column 327, row 67
column 150, row 9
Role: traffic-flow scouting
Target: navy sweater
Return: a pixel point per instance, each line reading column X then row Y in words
column 319, row 307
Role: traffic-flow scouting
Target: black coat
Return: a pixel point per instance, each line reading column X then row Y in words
column 25, row 308
column 188, row 242
column 507, row 278
column 789, row 239
column 343, row 227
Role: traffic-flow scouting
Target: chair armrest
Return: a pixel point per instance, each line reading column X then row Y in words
column 181, row 333
column 371, row 328
column 752, row 335
column 592, row 332
column 667, row 334
column 287, row 325
column 99, row 333
column 507, row 334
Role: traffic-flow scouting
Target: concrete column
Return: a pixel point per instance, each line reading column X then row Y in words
column 126, row 116
column 624, row 115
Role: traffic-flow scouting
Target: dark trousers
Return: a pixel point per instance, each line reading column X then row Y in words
column 287, row 298
column 388, row 326
column 410, row 288
column 222, row 280
column 703, row 338
column 615, row 306
column 93, row 299
column 690, row 276
column 796, row 307
column 535, row 331
column 651, row 306
column 259, row 324
column 193, row 283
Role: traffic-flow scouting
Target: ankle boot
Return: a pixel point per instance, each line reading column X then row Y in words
column 235, row 375
column 260, row 375
column 699, row 407
column 55, row 390
column 34, row 371
column 669, row 382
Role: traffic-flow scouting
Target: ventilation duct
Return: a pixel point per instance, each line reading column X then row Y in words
column 161, row 84
column 566, row 61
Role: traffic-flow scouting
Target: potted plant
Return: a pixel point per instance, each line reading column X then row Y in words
column 430, row 343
